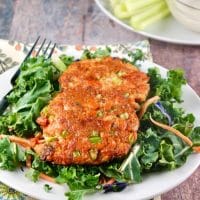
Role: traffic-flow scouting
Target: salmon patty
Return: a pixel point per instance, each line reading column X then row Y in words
column 93, row 119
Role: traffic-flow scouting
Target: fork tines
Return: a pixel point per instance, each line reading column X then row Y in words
column 44, row 49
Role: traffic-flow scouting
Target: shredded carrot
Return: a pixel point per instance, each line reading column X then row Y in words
column 109, row 182
column 21, row 141
column 196, row 149
column 47, row 178
column 34, row 141
column 177, row 133
column 28, row 161
column 41, row 141
column 102, row 180
column 172, row 130
column 147, row 104
column 27, row 144
column 38, row 135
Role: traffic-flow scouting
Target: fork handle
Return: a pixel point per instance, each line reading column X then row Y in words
column 15, row 76
column 3, row 105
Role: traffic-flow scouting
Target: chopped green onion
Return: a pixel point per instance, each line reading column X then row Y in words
column 76, row 153
column 64, row 134
column 99, row 113
column 126, row 95
column 95, row 139
column 45, row 111
column 131, row 139
column 98, row 96
column 116, row 80
column 93, row 154
column 51, row 139
column 121, row 73
column 95, row 133
column 124, row 115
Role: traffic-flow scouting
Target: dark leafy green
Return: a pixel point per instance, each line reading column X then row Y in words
column 115, row 187
column 11, row 155
column 112, row 170
column 34, row 88
column 32, row 174
column 47, row 188
column 99, row 53
column 161, row 150
column 47, row 168
column 78, row 194
column 168, row 89
column 62, row 62
column 195, row 136
column 67, row 60
column 80, row 179
column 135, row 56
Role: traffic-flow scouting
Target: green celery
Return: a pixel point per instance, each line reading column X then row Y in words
column 135, row 5
column 154, row 14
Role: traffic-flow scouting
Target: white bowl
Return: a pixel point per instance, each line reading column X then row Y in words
column 186, row 12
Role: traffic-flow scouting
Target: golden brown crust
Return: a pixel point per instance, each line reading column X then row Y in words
column 93, row 119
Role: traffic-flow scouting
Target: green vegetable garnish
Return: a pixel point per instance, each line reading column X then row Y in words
column 11, row 155
column 124, row 115
column 116, row 80
column 99, row 53
column 95, row 139
column 32, row 174
column 99, row 113
column 76, row 154
column 47, row 188
column 93, row 154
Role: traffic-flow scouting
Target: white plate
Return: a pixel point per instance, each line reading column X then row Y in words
column 168, row 29
column 152, row 185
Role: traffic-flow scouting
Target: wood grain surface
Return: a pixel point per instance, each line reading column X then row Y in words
column 82, row 22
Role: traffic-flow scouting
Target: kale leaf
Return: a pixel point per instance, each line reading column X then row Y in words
column 11, row 155
column 34, row 88
column 99, row 53
column 168, row 89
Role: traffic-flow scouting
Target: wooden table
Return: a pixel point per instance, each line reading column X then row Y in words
column 81, row 22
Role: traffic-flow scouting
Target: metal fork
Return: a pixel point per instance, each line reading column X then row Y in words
column 4, row 101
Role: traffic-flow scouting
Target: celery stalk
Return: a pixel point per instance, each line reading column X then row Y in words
column 113, row 3
column 135, row 5
column 154, row 14
column 121, row 12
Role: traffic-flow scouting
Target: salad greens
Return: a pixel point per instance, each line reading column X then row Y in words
column 99, row 53
column 156, row 149
column 80, row 179
column 11, row 156
column 36, row 85
column 47, row 188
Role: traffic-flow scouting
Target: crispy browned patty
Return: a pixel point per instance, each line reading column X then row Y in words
column 93, row 119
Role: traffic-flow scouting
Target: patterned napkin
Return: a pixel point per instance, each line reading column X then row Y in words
column 12, row 54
